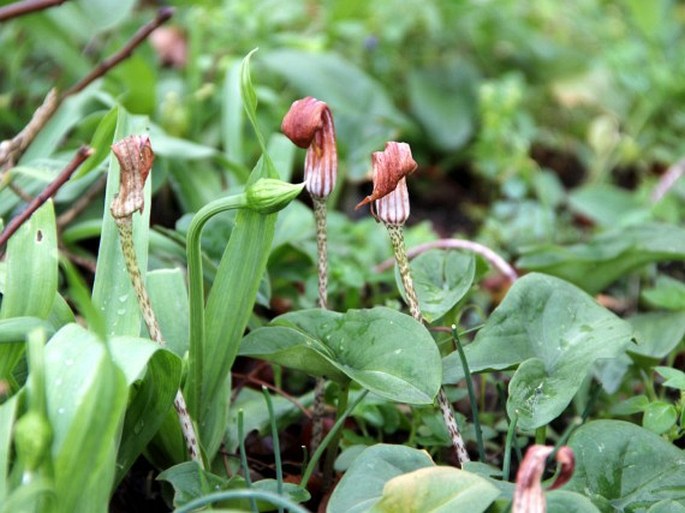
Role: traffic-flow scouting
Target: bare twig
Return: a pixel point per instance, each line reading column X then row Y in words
column 26, row 7
column 83, row 153
column 497, row 261
column 12, row 149
column 82, row 203
column 163, row 15
column 668, row 180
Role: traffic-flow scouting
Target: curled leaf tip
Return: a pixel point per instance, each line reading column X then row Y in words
column 389, row 167
column 135, row 157
column 529, row 496
column 309, row 124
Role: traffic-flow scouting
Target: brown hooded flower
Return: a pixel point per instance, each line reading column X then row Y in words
column 135, row 157
column 309, row 124
column 390, row 168
column 529, row 496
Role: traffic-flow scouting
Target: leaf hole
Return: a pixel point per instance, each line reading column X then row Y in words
column 39, row 236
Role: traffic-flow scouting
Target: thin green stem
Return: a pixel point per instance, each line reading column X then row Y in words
column 196, row 292
column 125, row 227
column 243, row 458
column 276, row 444
column 511, row 433
column 332, row 452
column 541, row 435
column 332, row 433
column 261, row 495
column 472, row 394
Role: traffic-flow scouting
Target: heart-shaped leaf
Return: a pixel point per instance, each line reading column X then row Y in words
column 608, row 256
column 555, row 332
column 383, row 350
column 436, row 490
column 362, row 485
column 441, row 279
column 624, row 468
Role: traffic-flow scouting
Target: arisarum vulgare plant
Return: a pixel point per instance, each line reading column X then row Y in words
column 309, row 124
column 390, row 204
column 135, row 157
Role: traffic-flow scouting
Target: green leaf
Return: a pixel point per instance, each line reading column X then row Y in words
column 86, row 398
column 443, row 99
column 249, row 96
column 624, row 468
column 101, row 142
column 169, row 299
column 362, row 485
column 563, row 501
column 442, row 279
column 16, row 329
column 190, row 482
column 31, row 277
column 232, row 114
column 659, row 417
column 608, row 256
column 232, row 297
column 674, row 377
column 436, row 490
column 555, row 332
column 667, row 293
column 667, row 507
column 158, row 373
column 657, row 333
column 607, row 205
column 113, row 293
column 630, row 406
column 383, row 350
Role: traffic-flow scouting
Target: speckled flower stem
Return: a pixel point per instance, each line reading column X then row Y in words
column 126, row 238
column 318, row 408
column 396, row 233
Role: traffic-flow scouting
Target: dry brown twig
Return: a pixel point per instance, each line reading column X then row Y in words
column 11, row 150
column 26, row 7
column 83, row 153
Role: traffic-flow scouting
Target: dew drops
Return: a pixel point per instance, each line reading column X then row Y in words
column 123, row 298
column 121, row 311
column 60, row 411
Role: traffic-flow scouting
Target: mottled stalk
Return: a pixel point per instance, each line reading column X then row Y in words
column 125, row 227
column 397, row 238
column 319, row 406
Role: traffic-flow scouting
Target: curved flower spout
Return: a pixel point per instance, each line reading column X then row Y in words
column 309, row 124
column 390, row 169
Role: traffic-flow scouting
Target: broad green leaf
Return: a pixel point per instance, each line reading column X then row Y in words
column 674, row 378
column 659, row 417
column 158, row 373
column 190, row 482
column 169, row 299
column 563, row 501
column 171, row 147
column 362, row 485
column 630, row 406
column 436, row 490
column 31, row 276
column 667, row 507
column 657, row 333
column 443, row 99
column 86, row 398
column 606, row 257
column 667, row 293
column 383, row 350
column 16, row 329
column 112, row 290
column 555, row 332
column 624, row 468
column 442, row 279
column 607, row 205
